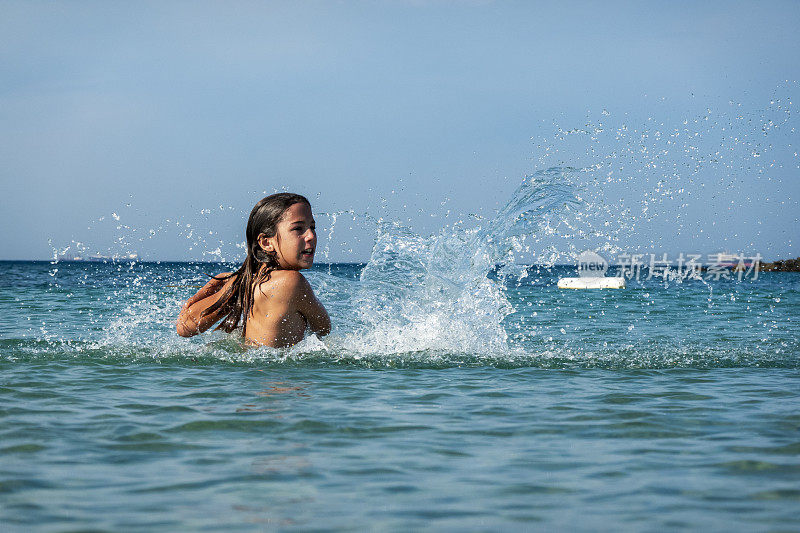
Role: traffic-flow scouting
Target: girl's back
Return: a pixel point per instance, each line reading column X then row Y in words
column 277, row 318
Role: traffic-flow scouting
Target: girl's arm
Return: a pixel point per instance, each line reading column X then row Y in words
column 315, row 313
column 190, row 322
column 310, row 307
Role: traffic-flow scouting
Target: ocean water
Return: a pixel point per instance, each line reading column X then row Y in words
column 458, row 390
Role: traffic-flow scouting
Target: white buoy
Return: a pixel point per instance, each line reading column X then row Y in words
column 591, row 283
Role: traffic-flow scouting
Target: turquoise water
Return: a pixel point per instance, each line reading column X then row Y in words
column 451, row 400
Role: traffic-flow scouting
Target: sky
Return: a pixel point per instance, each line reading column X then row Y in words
column 153, row 127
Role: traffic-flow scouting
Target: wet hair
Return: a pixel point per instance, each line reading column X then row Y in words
column 238, row 298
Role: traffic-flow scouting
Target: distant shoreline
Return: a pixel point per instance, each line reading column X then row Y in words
column 786, row 265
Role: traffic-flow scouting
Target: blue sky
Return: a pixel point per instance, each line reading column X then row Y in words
column 123, row 122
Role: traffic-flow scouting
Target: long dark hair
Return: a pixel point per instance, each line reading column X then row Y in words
column 238, row 298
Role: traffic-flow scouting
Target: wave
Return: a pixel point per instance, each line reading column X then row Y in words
column 313, row 353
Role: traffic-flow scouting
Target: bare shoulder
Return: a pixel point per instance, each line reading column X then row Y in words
column 284, row 284
column 289, row 291
column 290, row 280
column 289, row 277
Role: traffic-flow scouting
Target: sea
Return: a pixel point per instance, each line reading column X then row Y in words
column 459, row 390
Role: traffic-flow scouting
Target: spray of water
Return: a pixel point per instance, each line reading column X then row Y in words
column 434, row 294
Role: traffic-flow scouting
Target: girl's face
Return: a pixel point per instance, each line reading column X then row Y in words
column 296, row 239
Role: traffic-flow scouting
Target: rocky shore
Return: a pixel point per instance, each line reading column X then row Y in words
column 788, row 265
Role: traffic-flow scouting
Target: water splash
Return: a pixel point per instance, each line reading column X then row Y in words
column 697, row 181
column 435, row 293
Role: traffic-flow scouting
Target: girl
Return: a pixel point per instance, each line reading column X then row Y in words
column 276, row 301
